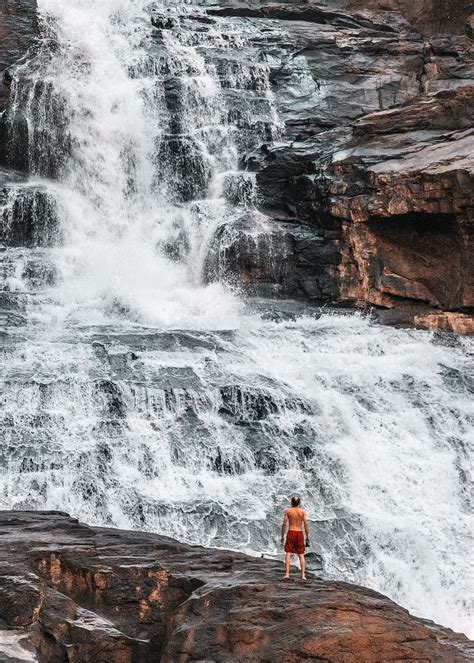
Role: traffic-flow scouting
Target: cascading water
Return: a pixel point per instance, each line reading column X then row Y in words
column 135, row 395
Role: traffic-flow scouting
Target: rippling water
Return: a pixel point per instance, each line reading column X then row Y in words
column 136, row 395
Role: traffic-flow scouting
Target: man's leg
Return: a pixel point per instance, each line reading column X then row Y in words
column 302, row 566
column 287, row 565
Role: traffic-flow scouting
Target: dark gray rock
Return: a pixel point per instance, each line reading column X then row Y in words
column 28, row 216
column 188, row 170
column 17, row 32
column 273, row 258
column 40, row 147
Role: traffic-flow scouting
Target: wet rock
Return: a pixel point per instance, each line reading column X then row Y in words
column 163, row 22
column 239, row 188
column 265, row 459
column 112, row 397
column 375, row 157
column 246, row 405
column 18, row 32
column 40, row 147
column 224, row 465
column 17, row 35
column 28, row 216
column 10, row 319
column 39, row 273
column 102, row 595
column 283, row 309
column 271, row 258
column 188, row 169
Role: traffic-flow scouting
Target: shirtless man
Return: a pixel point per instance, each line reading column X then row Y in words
column 296, row 519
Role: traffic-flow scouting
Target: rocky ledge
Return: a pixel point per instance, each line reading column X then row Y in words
column 69, row 592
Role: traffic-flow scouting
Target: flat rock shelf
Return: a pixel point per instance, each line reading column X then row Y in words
column 69, row 592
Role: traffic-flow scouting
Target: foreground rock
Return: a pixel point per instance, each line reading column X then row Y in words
column 69, row 592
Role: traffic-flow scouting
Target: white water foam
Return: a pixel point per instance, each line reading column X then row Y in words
column 373, row 426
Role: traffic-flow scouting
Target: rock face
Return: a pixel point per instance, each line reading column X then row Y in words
column 428, row 16
column 406, row 206
column 375, row 158
column 76, row 593
column 17, row 31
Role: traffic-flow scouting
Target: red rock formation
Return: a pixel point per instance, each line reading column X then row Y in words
column 405, row 194
column 91, row 595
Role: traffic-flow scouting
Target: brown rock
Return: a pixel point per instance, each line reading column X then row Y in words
column 408, row 229
column 93, row 595
column 470, row 26
column 458, row 323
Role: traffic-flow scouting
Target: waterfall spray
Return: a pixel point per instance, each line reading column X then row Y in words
column 135, row 394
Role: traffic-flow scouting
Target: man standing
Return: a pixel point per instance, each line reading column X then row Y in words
column 296, row 519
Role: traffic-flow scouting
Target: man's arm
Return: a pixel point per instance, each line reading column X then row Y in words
column 283, row 526
column 306, row 527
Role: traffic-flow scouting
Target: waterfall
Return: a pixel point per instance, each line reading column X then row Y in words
column 138, row 393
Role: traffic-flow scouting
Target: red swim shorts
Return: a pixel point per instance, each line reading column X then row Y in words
column 294, row 542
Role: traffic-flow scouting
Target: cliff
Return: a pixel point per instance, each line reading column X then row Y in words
column 371, row 185
column 84, row 594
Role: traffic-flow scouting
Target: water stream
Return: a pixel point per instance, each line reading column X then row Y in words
column 136, row 394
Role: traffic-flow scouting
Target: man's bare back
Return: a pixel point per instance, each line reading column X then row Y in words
column 296, row 517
